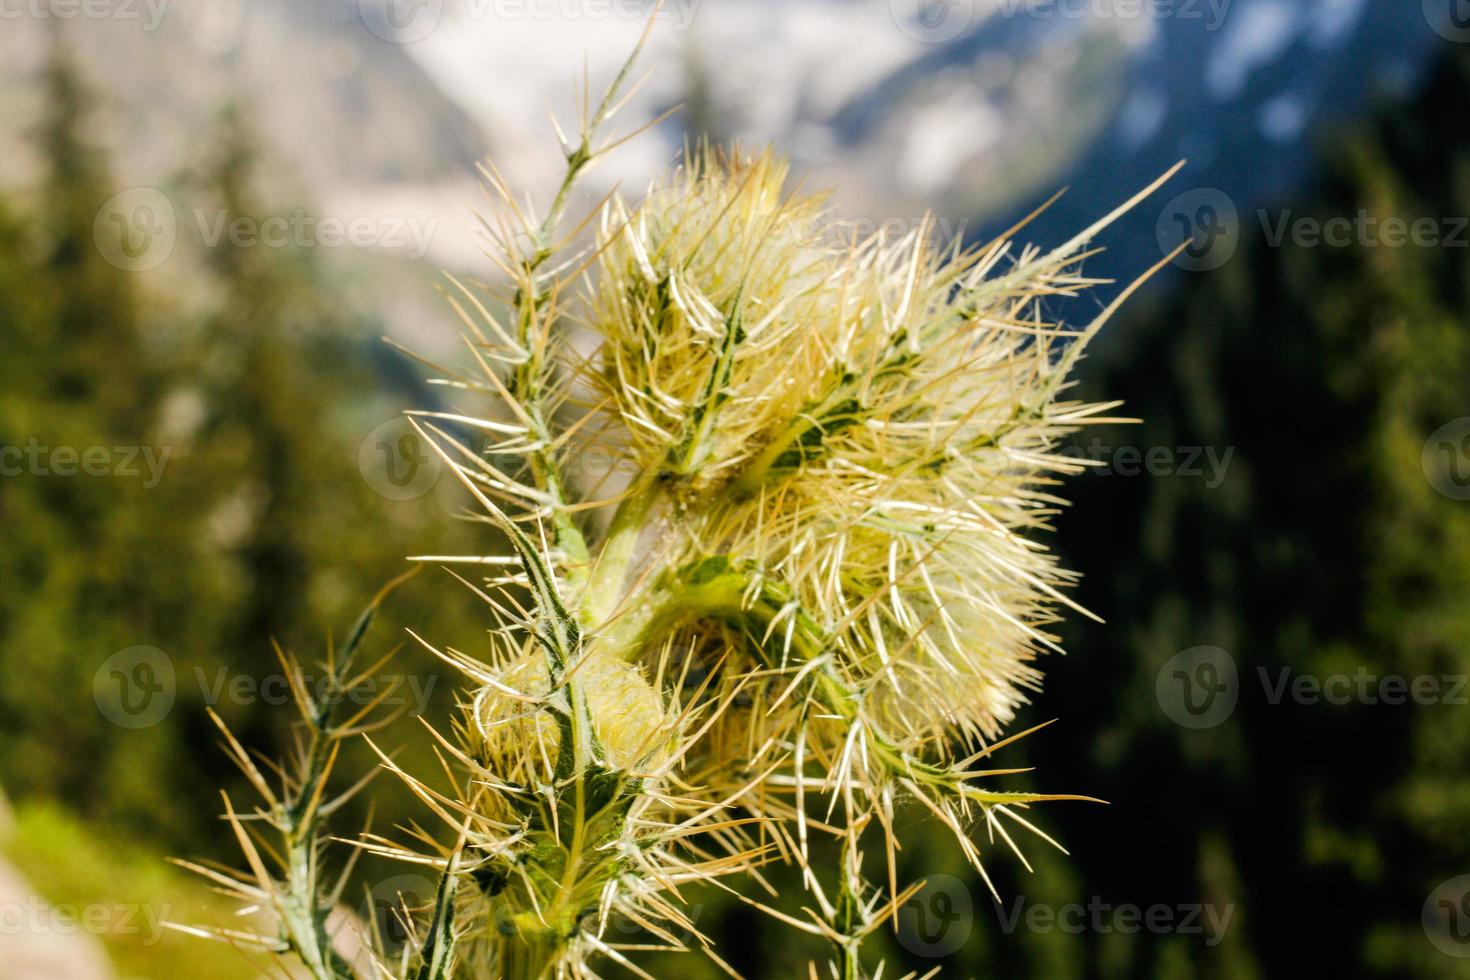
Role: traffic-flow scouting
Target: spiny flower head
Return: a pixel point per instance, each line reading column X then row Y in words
column 807, row 589
column 834, row 455
column 871, row 422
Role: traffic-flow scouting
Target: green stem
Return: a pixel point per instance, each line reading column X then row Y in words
column 606, row 584
column 530, row 299
column 299, row 817
column 849, row 911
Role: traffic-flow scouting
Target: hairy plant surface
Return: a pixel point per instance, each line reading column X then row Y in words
column 772, row 493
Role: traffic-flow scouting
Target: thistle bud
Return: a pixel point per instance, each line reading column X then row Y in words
column 513, row 720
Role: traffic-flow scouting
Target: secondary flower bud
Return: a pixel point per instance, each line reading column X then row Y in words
column 512, row 722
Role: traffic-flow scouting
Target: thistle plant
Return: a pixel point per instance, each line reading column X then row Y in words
column 804, row 593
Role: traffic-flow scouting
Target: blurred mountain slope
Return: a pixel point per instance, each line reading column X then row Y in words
column 336, row 103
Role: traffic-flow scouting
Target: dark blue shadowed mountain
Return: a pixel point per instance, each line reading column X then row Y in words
column 1245, row 90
